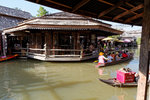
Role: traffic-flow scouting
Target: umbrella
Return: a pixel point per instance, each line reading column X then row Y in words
column 108, row 38
column 119, row 40
column 127, row 40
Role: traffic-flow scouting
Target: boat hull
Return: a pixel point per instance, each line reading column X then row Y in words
column 113, row 82
column 8, row 57
column 117, row 62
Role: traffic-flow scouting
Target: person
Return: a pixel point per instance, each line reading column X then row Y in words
column 91, row 47
column 117, row 56
column 136, row 78
column 124, row 55
column 101, row 59
column 127, row 53
column 113, row 55
column 109, row 57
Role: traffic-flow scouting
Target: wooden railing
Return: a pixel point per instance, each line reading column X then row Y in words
column 54, row 52
column 60, row 52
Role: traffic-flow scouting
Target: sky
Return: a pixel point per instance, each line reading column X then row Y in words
column 25, row 6
column 33, row 7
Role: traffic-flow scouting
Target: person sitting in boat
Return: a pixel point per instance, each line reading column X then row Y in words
column 101, row 59
column 120, row 54
column 127, row 53
column 117, row 56
column 124, row 55
column 109, row 57
column 136, row 77
column 113, row 55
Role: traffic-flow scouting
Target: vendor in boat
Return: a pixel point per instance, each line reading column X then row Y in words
column 124, row 55
column 101, row 59
column 110, row 58
column 113, row 55
column 136, row 78
column 117, row 56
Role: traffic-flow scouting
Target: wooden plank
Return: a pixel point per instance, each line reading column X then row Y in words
column 79, row 5
column 128, row 11
column 37, row 1
column 129, row 4
column 114, row 5
column 111, row 8
column 133, row 18
column 144, row 54
column 59, row 4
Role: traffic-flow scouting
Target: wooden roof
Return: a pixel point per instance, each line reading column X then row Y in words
column 5, row 11
column 122, row 11
column 63, row 21
column 11, row 17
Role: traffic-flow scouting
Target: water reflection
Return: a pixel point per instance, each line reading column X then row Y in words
column 36, row 80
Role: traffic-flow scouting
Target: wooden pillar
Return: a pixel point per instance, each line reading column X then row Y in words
column 48, row 42
column 78, row 41
column 144, row 54
column 54, row 42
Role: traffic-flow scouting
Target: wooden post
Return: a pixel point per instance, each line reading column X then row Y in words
column 45, row 47
column 27, row 52
column 144, row 54
column 54, row 42
column 78, row 43
column 48, row 42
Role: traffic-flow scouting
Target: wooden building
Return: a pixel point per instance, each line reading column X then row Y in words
column 133, row 12
column 10, row 17
column 58, row 37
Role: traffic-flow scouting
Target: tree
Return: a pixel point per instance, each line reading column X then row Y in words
column 41, row 12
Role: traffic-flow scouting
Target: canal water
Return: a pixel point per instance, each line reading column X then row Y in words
column 28, row 79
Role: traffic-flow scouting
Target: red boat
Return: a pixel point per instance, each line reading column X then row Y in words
column 4, row 58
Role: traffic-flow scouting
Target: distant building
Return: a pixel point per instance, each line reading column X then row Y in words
column 58, row 37
column 10, row 17
column 134, row 33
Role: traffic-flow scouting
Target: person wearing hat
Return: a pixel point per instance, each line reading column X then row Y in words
column 117, row 56
column 101, row 59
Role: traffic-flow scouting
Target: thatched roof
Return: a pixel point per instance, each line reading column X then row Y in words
column 63, row 21
column 11, row 17
column 122, row 11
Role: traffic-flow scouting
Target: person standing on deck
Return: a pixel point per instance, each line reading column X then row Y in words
column 101, row 59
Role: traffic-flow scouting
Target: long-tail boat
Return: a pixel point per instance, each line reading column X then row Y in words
column 115, row 83
column 117, row 62
column 4, row 58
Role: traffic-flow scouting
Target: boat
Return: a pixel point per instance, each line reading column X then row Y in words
column 116, row 62
column 115, row 83
column 4, row 58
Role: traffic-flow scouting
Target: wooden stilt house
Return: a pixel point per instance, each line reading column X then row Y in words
column 58, row 37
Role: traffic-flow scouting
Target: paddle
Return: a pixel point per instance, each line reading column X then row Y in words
column 95, row 61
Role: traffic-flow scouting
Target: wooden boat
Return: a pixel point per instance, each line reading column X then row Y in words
column 115, row 83
column 4, row 58
column 117, row 62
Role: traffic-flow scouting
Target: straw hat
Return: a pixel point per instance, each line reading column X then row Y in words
column 101, row 53
column 117, row 53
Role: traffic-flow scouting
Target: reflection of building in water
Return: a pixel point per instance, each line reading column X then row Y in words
column 32, row 81
column 59, row 37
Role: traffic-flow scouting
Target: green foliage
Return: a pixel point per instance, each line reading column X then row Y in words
column 41, row 12
column 138, row 41
column 17, row 8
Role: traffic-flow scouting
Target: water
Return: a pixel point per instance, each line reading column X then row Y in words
column 37, row 80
